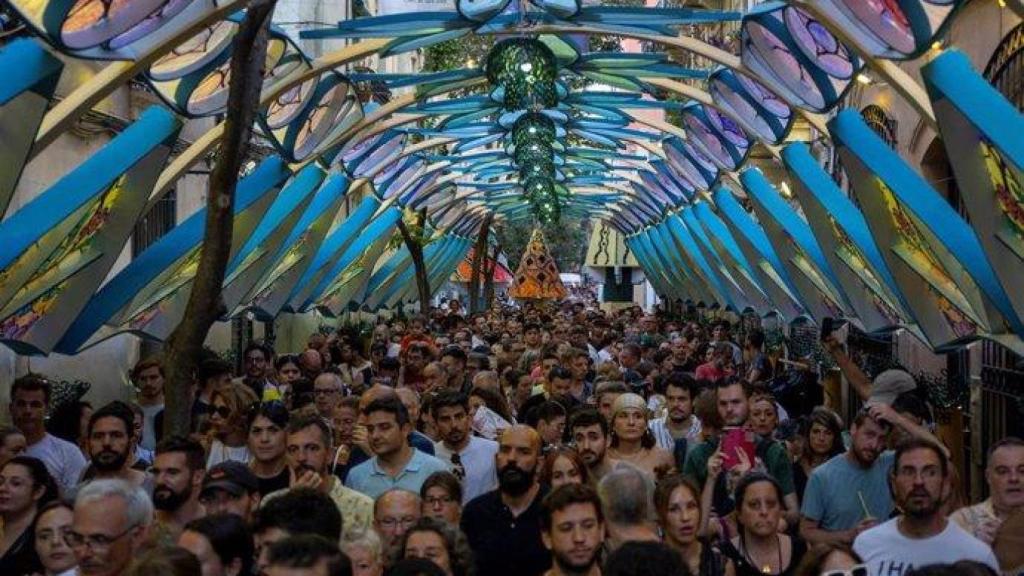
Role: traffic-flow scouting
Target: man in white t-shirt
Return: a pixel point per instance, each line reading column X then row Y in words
column 30, row 399
column 471, row 458
column 922, row 535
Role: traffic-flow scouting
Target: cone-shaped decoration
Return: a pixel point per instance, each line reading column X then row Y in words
column 537, row 277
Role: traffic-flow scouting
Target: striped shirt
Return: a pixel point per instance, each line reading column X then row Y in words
column 664, row 437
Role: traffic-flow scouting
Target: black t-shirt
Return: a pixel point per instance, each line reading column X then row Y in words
column 744, row 568
column 503, row 544
column 274, row 483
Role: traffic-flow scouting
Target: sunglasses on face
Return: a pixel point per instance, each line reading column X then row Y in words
column 222, row 411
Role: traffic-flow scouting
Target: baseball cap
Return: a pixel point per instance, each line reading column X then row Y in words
column 890, row 384
column 233, row 477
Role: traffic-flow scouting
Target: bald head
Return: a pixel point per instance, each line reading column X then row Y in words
column 311, row 361
column 393, row 513
column 517, row 458
column 376, row 392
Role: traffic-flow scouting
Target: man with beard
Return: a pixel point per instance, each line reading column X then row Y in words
column 230, row 488
column 573, row 529
column 589, row 431
column 679, row 429
column 309, row 458
column 850, row 492
column 732, row 397
column 178, row 470
column 503, row 526
column 922, row 534
column 111, row 433
column 471, row 457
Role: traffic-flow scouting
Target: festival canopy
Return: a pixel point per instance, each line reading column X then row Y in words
column 548, row 129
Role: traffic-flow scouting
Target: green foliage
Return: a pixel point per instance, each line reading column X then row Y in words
column 469, row 50
column 566, row 240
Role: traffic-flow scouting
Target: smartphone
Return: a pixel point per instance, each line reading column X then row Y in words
column 827, row 327
column 734, row 439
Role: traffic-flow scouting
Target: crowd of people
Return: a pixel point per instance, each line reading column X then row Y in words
column 556, row 440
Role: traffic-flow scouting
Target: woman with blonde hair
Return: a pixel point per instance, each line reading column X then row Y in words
column 229, row 434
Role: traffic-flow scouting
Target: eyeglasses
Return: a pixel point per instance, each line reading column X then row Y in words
column 94, row 542
column 435, row 500
column 222, row 411
column 858, row 570
column 324, row 391
column 393, row 522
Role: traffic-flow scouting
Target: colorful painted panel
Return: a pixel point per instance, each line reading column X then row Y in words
column 755, row 245
column 789, row 45
column 30, row 78
column 981, row 131
column 932, row 253
column 847, row 244
column 148, row 296
column 60, row 246
column 797, row 249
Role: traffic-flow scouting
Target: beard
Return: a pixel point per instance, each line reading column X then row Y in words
column 109, row 460
column 455, row 436
column 166, row 499
column 921, row 504
column 568, row 566
column 515, row 481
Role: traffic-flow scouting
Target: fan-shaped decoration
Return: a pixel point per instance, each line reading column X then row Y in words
column 537, row 277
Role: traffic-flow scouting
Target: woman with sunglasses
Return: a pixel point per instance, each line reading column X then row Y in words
column 760, row 548
column 677, row 501
column 228, row 430
column 25, row 486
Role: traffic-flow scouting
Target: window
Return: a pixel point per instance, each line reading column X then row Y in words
column 157, row 222
column 1006, row 68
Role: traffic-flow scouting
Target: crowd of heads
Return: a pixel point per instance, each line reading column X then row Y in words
column 559, row 439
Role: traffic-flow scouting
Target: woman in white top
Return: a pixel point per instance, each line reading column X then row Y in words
column 228, row 433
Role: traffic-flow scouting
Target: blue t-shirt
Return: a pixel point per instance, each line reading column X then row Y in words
column 371, row 480
column 832, row 499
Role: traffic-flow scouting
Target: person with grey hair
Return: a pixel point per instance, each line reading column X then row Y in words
column 111, row 522
column 328, row 390
column 627, row 500
column 366, row 552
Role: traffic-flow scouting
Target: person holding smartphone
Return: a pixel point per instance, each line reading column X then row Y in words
column 737, row 443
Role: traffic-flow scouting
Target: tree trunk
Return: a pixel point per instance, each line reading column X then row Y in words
column 205, row 304
column 479, row 260
column 489, row 279
column 414, row 243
